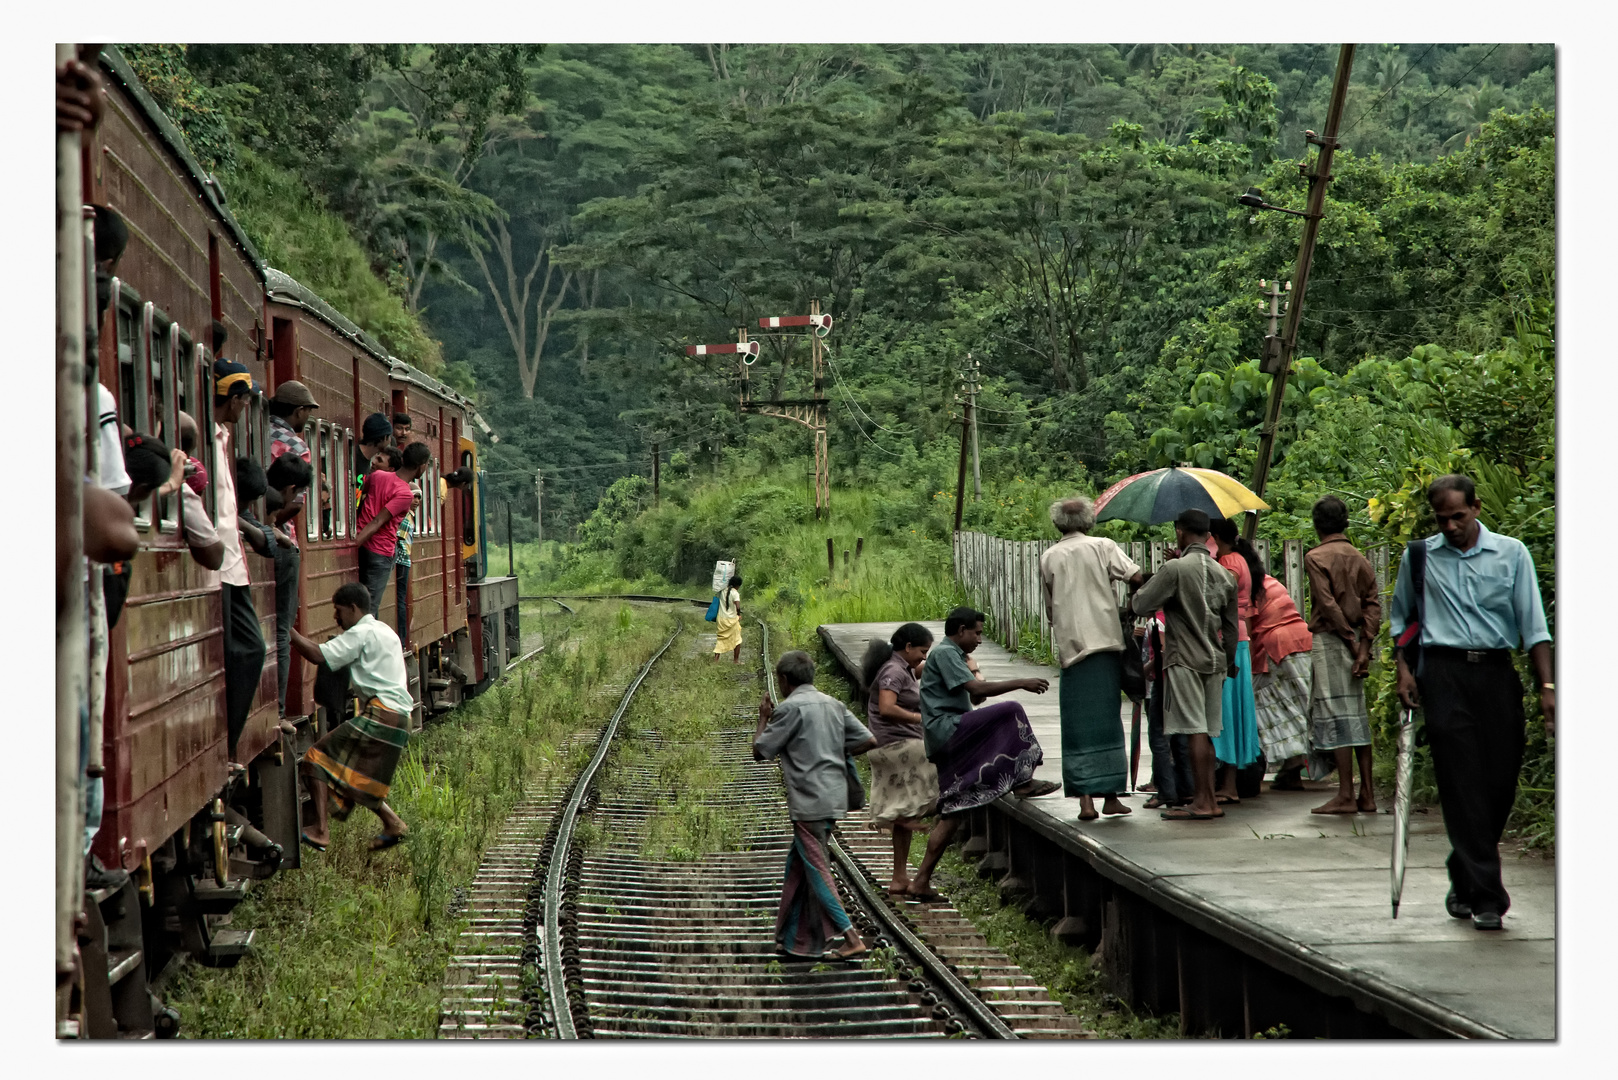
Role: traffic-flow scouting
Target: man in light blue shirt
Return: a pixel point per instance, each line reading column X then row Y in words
column 1480, row 601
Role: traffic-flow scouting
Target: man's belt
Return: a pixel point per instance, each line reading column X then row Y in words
column 1469, row 656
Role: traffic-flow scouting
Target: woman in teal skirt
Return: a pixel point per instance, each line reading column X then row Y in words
column 1237, row 744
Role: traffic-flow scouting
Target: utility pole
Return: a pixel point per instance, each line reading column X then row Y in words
column 960, row 476
column 539, row 503
column 972, row 388
column 1314, row 210
column 656, row 476
column 1271, row 363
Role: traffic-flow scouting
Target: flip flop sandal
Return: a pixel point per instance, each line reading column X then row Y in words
column 1040, row 787
column 1188, row 815
column 382, row 841
column 1228, row 800
column 306, row 842
column 1153, row 804
column 845, row 958
column 928, row 897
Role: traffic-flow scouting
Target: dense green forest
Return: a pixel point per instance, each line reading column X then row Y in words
column 549, row 226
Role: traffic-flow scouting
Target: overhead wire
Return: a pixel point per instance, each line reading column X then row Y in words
column 1377, row 104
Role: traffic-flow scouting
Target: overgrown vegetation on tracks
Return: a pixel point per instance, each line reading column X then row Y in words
column 688, row 700
column 1065, row 971
column 353, row 945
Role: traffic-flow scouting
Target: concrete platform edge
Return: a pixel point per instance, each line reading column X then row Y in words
column 1417, row 1015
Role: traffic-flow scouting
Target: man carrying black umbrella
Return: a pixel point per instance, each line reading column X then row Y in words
column 1198, row 600
column 1478, row 598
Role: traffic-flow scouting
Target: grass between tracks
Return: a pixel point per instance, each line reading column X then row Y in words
column 688, row 700
column 353, row 945
column 1065, row 971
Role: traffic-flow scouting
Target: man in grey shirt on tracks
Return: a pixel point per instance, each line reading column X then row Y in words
column 1198, row 599
column 813, row 735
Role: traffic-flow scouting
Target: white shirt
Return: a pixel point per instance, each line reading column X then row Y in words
column 1077, row 573
column 110, row 472
column 371, row 652
column 199, row 531
column 233, row 571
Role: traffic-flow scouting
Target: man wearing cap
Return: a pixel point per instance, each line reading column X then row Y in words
column 1198, row 600
column 244, row 644
column 289, row 415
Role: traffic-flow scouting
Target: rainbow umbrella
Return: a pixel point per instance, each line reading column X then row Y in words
column 1152, row 498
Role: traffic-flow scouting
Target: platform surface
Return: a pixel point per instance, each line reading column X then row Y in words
column 1321, row 882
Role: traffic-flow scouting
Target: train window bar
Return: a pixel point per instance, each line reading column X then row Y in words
column 469, row 537
column 329, row 505
column 316, row 496
column 140, row 417
column 344, row 490
column 202, row 368
column 166, row 406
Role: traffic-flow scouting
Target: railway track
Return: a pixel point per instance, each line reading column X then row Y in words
column 597, row 940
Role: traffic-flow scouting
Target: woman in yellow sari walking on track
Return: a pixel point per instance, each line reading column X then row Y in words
column 728, row 622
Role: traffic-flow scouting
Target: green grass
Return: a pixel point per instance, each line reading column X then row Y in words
column 354, row 944
column 1066, row 972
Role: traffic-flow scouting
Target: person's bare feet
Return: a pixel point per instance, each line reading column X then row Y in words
column 1340, row 804
column 1366, row 803
column 1113, row 808
column 897, row 886
column 1087, row 808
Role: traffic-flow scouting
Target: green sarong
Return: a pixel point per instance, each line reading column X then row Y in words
column 1093, row 759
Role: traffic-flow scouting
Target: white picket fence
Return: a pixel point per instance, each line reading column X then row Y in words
column 1001, row 579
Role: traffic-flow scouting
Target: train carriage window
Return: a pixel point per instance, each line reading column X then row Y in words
column 469, row 536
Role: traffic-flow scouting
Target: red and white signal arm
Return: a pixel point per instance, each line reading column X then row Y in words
column 747, row 349
column 821, row 323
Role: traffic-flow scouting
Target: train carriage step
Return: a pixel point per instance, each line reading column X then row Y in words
column 226, row 947
column 220, row 899
column 120, row 963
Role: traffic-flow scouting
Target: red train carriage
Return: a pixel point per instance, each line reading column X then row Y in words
column 167, row 784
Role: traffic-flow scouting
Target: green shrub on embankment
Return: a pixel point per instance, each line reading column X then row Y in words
column 354, row 944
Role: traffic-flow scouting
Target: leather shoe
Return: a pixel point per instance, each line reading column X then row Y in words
column 1457, row 909
column 1487, row 920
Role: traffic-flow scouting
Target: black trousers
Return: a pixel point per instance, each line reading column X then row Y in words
column 1171, row 754
column 244, row 659
column 286, row 610
column 1475, row 729
column 374, row 573
column 401, row 597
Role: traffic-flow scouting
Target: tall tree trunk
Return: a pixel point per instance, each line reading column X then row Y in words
column 514, row 304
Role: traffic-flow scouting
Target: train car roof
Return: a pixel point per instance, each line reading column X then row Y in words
column 285, row 289
column 208, row 188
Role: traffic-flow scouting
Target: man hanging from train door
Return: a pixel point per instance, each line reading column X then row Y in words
column 244, row 644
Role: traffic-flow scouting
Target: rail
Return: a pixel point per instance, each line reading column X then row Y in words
column 556, row 871
column 891, row 922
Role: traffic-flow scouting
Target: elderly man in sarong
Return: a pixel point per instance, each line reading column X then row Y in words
column 813, row 735
column 1077, row 574
column 356, row 759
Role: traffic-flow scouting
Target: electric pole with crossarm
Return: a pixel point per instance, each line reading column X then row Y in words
column 1319, row 176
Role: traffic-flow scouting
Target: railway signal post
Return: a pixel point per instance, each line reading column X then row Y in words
column 811, row 411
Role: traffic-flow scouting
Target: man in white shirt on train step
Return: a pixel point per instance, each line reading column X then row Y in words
column 356, row 759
